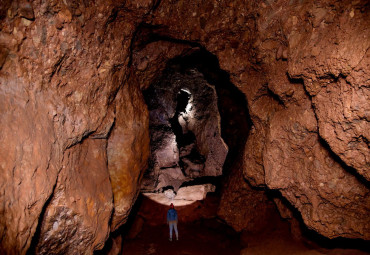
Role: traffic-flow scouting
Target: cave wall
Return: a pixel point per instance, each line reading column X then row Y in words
column 283, row 55
column 185, row 143
column 67, row 68
column 242, row 207
column 76, row 219
column 64, row 75
column 128, row 150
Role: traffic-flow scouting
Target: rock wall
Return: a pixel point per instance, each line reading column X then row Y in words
column 67, row 67
column 64, row 68
column 128, row 150
column 294, row 61
column 76, row 220
column 242, row 207
column 185, row 130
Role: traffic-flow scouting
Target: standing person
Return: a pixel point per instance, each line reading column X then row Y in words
column 172, row 221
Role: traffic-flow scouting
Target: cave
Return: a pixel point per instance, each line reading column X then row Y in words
column 185, row 128
column 251, row 117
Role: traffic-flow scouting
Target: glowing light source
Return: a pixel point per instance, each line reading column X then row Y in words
column 189, row 106
column 185, row 195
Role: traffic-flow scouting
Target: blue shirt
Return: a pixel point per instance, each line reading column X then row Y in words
column 171, row 215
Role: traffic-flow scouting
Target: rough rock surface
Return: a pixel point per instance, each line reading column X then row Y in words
column 185, row 131
column 242, row 207
column 335, row 74
column 77, row 218
column 128, row 150
column 293, row 145
column 259, row 44
column 63, row 63
column 28, row 168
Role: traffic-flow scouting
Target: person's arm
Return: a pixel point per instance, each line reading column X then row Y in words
column 168, row 216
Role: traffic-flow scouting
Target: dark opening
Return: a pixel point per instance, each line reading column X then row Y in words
column 181, row 138
column 232, row 104
column 182, row 101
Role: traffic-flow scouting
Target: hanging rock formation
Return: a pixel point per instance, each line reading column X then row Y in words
column 74, row 136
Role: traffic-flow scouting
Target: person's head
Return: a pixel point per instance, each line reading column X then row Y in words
column 171, row 206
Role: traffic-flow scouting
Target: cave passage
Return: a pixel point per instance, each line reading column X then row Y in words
column 251, row 117
column 182, row 138
column 232, row 104
column 190, row 106
column 172, row 109
column 185, row 139
column 182, row 101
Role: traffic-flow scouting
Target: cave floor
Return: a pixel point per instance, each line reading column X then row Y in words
column 211, row 237
column 194, row 238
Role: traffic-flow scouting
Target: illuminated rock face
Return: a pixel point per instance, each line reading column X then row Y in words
column 184, row 196
column 185, row 131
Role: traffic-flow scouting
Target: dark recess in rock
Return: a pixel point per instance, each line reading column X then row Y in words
column 187, row 113
column 36, row 236
column 301, row 232
column 232, row 104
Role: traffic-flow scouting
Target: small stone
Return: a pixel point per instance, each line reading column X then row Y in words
column 10, row 13
column 26, row 22
column 290, row 92
column 352, row 13
column 26, row 11
column 65, row 15
column 55, row 226
column 279, row 53
column 294, row 20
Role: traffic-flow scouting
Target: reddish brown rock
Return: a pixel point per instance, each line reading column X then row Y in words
column 347, row 128
column 29, row 164
column 278, row 38
column 242, row 207
column 299, row 166
column 63, row 67
column 76, row 219
column 150, row 61
column 128, row 150
column 59, row 77
column 340, row 103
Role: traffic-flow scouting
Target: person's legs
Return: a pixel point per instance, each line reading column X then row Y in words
column 177, row 233
column 171, row 228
